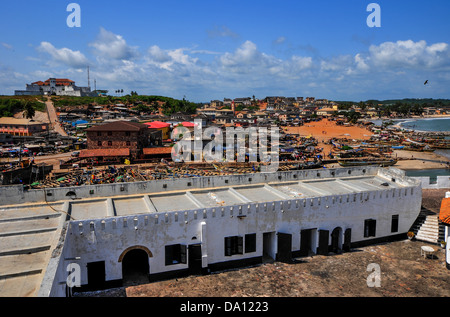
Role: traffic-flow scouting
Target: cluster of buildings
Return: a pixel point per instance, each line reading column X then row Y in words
column 280, row 110
column 113, row 133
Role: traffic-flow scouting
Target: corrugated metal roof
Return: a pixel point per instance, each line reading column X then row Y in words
column 157, row 150
column 444, row 214
column 104, row 152
column 9, row 120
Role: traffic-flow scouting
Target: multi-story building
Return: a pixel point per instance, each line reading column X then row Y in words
column 173, row 227
column 118, row 135
column 21, row 127
column 55, row 86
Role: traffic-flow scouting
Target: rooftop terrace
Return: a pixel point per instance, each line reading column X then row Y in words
column 29, row 232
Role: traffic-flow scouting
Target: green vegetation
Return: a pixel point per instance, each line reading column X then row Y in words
column 400, row 107
column 144, row 104
column 352, row 116
column 79, row 101
column 170, row 106
column 10, row 105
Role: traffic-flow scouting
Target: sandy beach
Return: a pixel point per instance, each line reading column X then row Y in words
column 325, row 130
column 420, row 160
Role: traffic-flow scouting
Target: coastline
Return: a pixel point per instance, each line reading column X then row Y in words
column 325, row 130
column 398, row 125
column 420, row 160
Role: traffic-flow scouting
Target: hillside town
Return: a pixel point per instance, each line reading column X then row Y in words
column 108, row 141
column 126, row 144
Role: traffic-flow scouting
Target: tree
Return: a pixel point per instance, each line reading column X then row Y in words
column 29, row 111
column 353, row 116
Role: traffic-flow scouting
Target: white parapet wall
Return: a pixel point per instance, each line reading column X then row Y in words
column 441, row 183
column 362, row 205
column 15, row 194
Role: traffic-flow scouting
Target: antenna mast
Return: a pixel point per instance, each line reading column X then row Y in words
column 89, row 80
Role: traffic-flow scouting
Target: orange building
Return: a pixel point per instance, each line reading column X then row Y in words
column 444, row 217
column 21, row 127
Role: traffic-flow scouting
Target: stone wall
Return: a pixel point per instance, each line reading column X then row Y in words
column 106, row 239
column 16, row 194
column 442, row 182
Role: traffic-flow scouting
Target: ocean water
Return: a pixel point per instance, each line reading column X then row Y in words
column 428, row 124
column 443, row 152
column 432, row 173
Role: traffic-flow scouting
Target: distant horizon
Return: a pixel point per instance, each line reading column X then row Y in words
column 258, row 98
column 210, row 49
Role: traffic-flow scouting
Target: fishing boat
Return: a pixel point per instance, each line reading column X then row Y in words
column 383, row 163
column 440, row 146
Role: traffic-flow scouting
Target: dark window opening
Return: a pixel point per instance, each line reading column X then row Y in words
column 234, row 245
column 96, row 275
column 250, row 243
column 176, row 254
column 394, row 223
column 370, row 228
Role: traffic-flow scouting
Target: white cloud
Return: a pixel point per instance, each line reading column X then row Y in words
column 158, row 55
column 170, row 60
column 410, row 54
column 247, row 59
column 65, row 56
column 245, row 55
column 110, row 45
column 361, row 63
column 9, row 47
column 336, row 64
column 248, row 70
column 221, row 31
column 280, row 40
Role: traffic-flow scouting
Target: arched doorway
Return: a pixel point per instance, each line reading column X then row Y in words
column 336, row 240
column 135, row 266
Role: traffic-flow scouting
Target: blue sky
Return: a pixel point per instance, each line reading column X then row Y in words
column 211, row 49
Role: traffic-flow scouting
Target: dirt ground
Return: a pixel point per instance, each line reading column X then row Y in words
column 325, row 130
column 404, row 272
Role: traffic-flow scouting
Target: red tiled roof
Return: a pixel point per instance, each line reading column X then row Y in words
column 189, row 124
column 104, row 152
column 59, row 82
column 444, row 214
column 157, row 125
column 157, row 150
